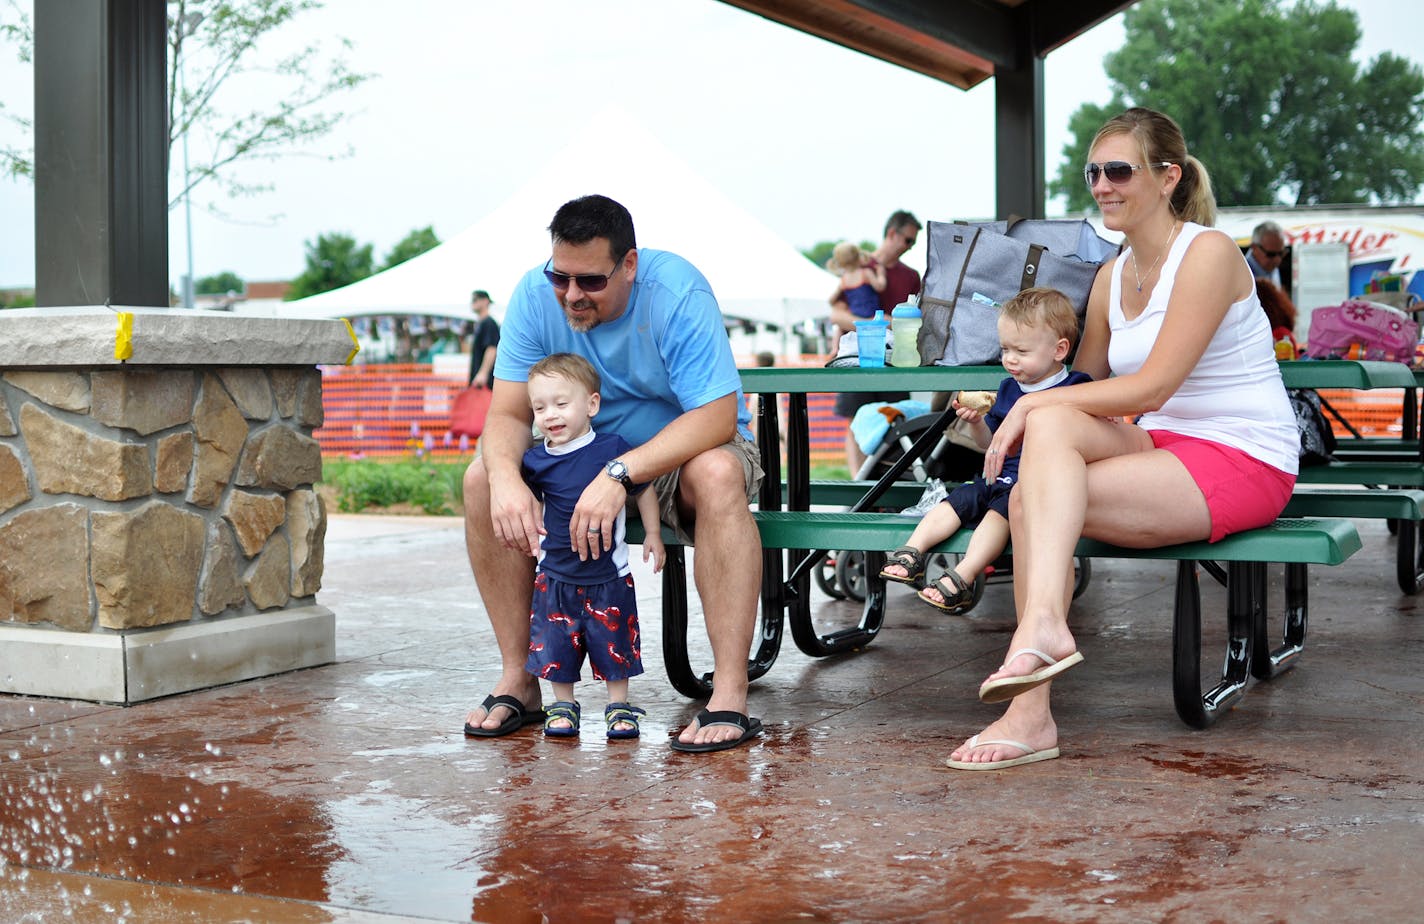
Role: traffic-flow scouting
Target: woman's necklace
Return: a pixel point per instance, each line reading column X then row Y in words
column 1165, row 247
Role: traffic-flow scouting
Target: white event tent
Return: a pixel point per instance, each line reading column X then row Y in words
column 756, row 275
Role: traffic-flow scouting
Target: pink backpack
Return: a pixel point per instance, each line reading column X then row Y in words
column 1361, row 330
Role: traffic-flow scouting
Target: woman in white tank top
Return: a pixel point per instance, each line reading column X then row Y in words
column 1173, row 337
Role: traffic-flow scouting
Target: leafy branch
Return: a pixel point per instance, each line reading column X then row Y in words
column 217, row 67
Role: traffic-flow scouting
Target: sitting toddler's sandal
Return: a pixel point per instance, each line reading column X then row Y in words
column 567, row 711
column 909, row 558
column 958, row 595
column 622, row 714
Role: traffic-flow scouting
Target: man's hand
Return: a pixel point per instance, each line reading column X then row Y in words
column 591, row 526
column 514, row 514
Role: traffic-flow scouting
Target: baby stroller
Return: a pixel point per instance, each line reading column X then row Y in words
column 842, row 574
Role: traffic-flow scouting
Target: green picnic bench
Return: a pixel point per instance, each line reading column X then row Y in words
column 1390, row 473
column 790, row 532
column 1296, row 543
column 1388, row 468
column 1376, row 449
column 1405, row 505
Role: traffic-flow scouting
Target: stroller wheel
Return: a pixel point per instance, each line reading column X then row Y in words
column 850, row 574
column 825, row 575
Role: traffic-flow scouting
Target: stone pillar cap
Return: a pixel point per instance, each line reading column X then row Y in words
column 85, row 335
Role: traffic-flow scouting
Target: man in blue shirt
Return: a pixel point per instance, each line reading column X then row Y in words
column 648, row 322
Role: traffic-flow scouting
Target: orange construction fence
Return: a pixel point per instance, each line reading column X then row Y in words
column 1377, row 413
column 381, row 410
column 396, row 410
column 387, row 410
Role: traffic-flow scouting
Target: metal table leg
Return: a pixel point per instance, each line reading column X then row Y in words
column 1198, row 709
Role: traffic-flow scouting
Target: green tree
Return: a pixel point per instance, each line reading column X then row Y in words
column 335, row 260
column 16, row 298
column 220, row 284
column 413, row 244
column 15, row 27
column 215, row 49
column 1270, row 100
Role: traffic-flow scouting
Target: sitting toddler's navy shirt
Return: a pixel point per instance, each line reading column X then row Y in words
column 1009, row 392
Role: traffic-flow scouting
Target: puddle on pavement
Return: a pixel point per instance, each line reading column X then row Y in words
column 146, row 839
column 126, row 823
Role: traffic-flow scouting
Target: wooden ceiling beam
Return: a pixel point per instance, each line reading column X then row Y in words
column 960, row 42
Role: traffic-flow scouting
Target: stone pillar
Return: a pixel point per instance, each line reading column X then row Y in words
column 159, row 529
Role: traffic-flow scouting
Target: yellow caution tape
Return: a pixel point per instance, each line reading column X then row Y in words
column 123, row 339
column 351, row 332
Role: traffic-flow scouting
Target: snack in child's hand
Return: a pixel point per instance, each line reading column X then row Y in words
column 979, row 401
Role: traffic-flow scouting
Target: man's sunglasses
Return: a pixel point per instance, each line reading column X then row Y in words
column 1273, row 254
column 588, row 282
column 1117, row 171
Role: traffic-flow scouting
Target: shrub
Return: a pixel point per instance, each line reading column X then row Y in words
column 433, row 487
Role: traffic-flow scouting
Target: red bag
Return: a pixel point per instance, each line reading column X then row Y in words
column 467, row 414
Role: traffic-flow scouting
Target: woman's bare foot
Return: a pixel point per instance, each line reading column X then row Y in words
column 1027, row 722
column 1033, row 650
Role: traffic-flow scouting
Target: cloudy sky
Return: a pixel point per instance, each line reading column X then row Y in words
column 471, row 99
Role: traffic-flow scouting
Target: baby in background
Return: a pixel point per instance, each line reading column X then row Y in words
column 862, row 279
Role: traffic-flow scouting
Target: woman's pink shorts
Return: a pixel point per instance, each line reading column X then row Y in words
column 1241, row 492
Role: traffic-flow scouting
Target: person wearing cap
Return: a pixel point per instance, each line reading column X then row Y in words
column 486, row 341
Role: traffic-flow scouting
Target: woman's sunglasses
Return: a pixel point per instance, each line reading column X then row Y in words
column 588, row 282
column 1117, row 171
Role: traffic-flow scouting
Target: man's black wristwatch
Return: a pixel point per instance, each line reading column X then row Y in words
column 619, row 473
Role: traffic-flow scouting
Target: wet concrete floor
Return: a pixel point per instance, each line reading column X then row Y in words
column 347, row 793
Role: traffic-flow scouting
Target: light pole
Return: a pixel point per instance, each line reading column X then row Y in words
column 189, row 26
column 188, row 222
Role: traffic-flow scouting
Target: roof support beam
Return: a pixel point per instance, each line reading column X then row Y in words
column 101, row 153
column 958, row 43
column 1054, row 23
column 1019, row 141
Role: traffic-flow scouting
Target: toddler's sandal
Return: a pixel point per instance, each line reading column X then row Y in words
column 957, row 593
column 622, row 713
column 567, row 711
column 909, row 558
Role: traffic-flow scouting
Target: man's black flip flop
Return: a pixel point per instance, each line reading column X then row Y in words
column 518, row 717
column 749, row 727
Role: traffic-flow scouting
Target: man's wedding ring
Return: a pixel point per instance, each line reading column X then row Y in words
column 594, row 529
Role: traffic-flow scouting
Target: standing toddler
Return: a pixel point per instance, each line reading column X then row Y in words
column 582, row 607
